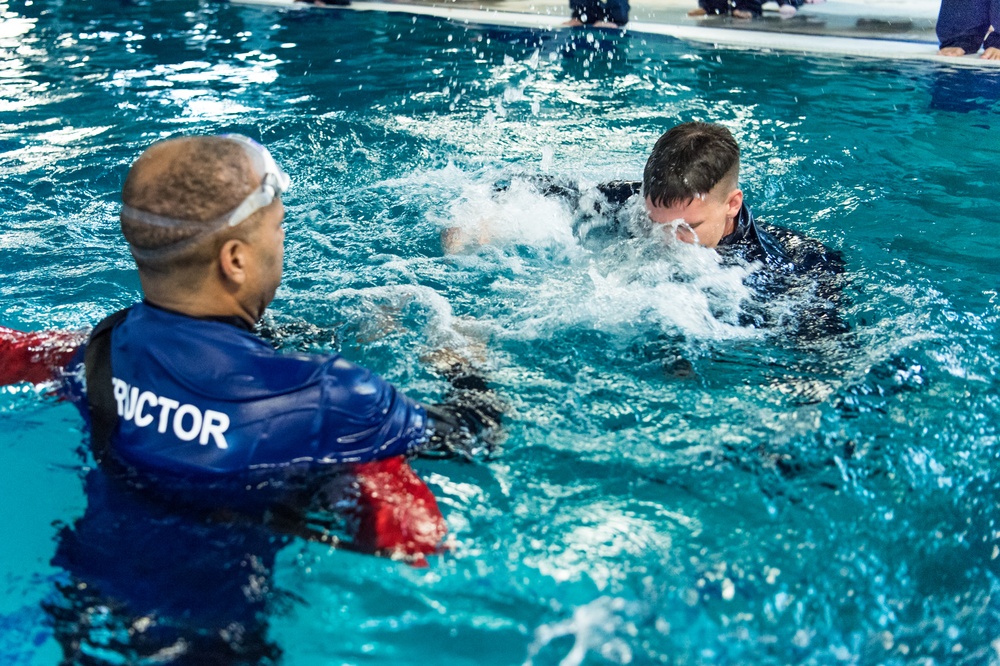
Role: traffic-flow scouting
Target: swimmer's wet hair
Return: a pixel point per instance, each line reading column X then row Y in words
column 688, row 161
column 207, row 177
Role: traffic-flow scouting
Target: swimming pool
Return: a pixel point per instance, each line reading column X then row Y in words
column 786, row 501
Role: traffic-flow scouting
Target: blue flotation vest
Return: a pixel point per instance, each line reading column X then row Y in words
column 207, row 397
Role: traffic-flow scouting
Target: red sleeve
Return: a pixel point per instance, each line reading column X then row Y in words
column 35, row 357
column 399, row 516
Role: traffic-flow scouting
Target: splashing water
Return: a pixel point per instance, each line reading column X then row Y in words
column 677, row 485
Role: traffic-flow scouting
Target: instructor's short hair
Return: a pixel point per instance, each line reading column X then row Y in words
column 206, row 178
column 688, row 161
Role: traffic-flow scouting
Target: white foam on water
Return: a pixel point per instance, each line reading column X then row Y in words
column 521, row 216
column 596, row 628
column 628, row 283
column 394, row 310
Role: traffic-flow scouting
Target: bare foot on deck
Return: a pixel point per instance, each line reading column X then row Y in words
column 991, row 53
column 573, row 23
column 604, row 24
column 787, row 11
column 697, row 11
column 952, row 51
column 740, row 14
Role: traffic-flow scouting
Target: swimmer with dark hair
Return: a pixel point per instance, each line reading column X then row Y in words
column 213, row 449
column 690, row 188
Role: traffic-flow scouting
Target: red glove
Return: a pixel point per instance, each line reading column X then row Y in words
column 398, row 513
column 35, row 357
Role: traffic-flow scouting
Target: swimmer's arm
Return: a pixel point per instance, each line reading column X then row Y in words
column 616, row 193
column 613, row 197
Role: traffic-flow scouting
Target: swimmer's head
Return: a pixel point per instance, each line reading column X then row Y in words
column 193, row 205
column 691, row 182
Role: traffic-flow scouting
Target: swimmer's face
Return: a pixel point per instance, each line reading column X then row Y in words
column 704, row 220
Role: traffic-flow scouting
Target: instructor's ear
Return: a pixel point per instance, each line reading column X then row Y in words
column 233, row 258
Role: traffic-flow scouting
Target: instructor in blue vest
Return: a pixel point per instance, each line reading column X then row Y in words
column 214, row 451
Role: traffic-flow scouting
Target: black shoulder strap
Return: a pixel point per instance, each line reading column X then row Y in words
column 100, row 393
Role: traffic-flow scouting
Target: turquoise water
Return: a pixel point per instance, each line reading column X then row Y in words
column 785, row 501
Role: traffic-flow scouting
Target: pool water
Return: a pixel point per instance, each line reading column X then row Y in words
column 780, row 500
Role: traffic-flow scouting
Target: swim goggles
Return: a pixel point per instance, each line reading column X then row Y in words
column 274, row 183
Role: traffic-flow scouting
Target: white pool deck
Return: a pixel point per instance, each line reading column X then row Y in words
column 885, row 29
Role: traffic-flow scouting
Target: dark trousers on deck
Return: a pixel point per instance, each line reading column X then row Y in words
column 727, row 6
column 592, row 11
column 964, row 23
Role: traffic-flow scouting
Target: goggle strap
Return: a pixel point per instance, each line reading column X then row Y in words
column 154, row 254
column 254, row 202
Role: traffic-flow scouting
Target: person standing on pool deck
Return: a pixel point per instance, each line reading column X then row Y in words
column 213, row 449
column 964, row 26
